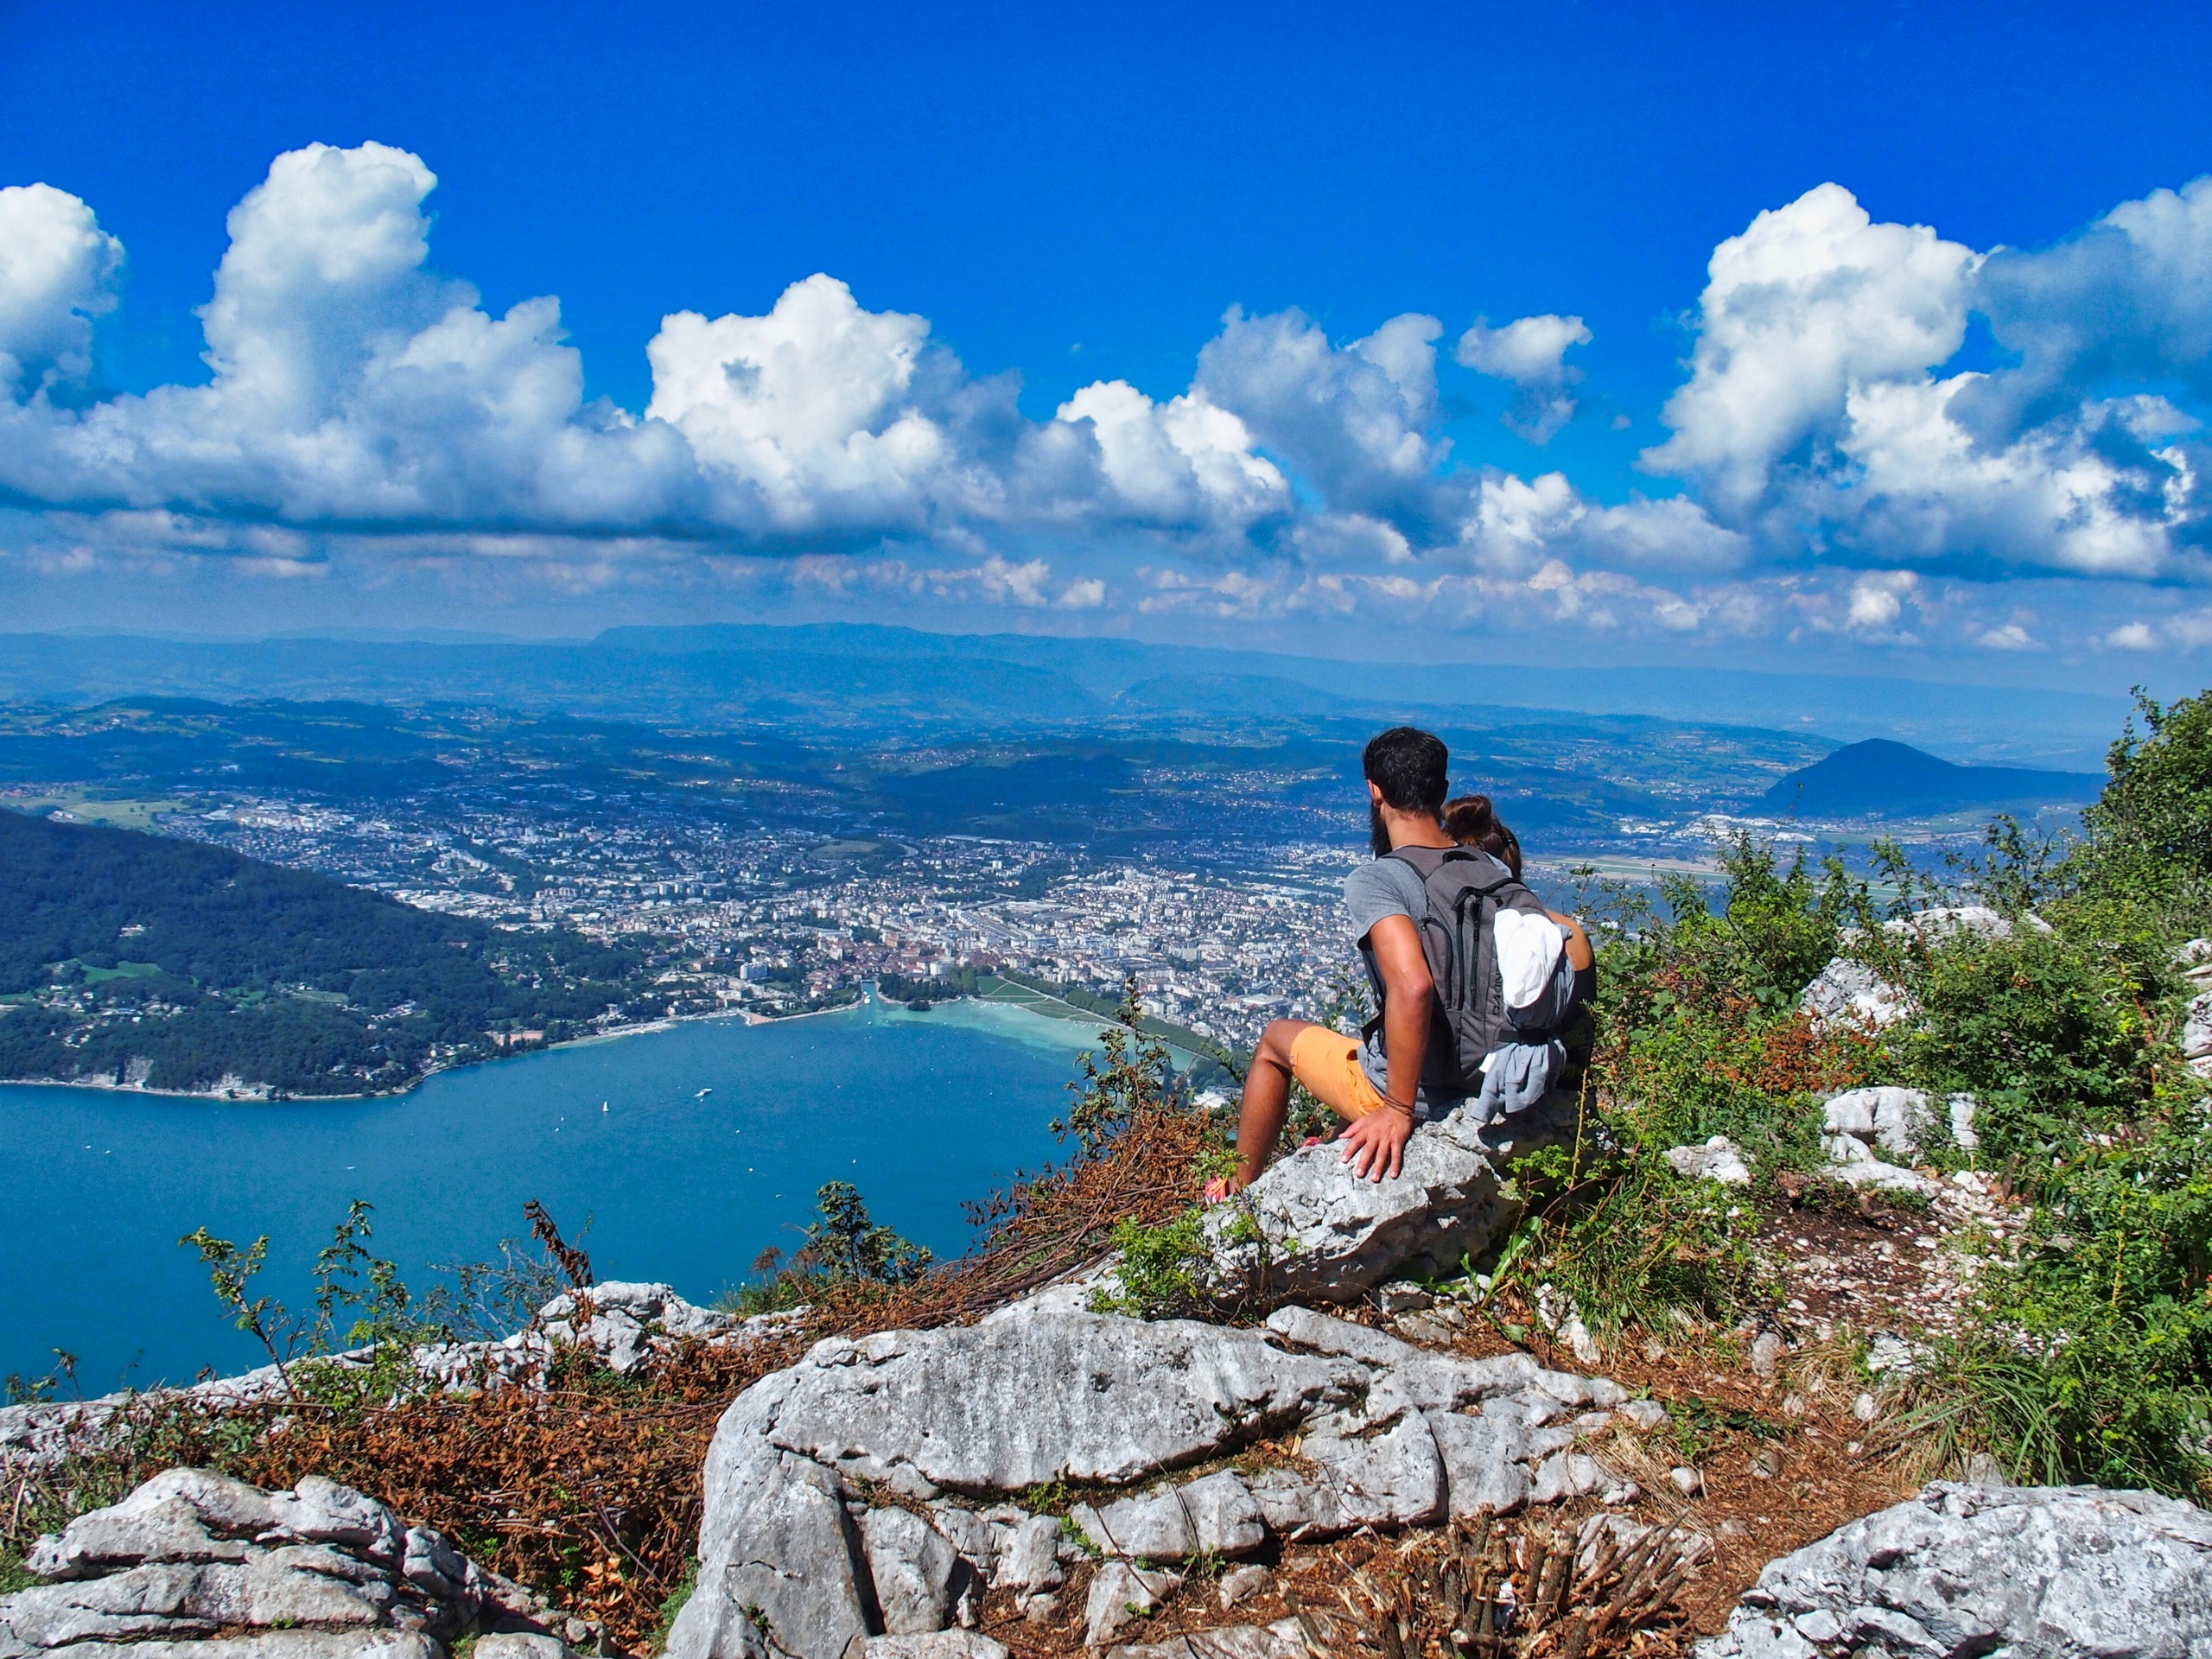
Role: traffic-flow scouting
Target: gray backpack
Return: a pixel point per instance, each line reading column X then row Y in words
column 1466, row 888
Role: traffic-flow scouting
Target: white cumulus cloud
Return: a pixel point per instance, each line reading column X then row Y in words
column 57, row 273
column 1531, row 353
column 1355, row 420
column 1813, row 299
column 1178, row 462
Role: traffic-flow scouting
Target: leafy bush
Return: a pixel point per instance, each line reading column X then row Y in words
column 2047, row 1024
column 2150, row 834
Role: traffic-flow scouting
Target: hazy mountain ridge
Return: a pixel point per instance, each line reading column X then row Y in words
column 859, row 677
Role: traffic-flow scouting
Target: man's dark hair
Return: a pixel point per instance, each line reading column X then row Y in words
column 1408, row 765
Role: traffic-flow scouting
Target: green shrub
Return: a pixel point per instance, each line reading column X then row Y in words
column 2046, row 1024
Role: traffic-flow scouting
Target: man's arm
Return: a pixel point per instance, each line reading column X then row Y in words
column 1375, row 1145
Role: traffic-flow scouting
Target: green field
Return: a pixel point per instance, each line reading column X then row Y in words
column 125, row 813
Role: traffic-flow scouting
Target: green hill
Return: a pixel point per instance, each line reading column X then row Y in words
column 136, row 959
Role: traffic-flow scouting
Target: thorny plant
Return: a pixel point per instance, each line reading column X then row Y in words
column 1475, row 1593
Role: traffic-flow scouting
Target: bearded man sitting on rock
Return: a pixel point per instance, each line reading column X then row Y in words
column 1474, row 978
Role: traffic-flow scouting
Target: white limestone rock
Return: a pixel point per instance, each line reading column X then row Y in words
column 1848, row 992
column 195, row 1563
column 917, row 1573
column 270, row 1644
column 1213, row 1516
column 1852, row 1162
column 1719, row 1159
column 939, row 1644
column 1374, row 1464
column 1122, row 1595
column 1960, row 1110
column 1241, row 1584
column 1961, row 1571
column 515, row 1644
column 1029, row 1561
column 1484, row 1457
column 625, row 1318
column 2197, row 1033
column 1894, row 1119
column 779, row 1544
column 1028, row 1397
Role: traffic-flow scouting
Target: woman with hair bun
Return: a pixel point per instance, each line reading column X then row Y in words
column 1471, row 821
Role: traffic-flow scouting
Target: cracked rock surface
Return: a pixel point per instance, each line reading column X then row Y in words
column 862, row 1494
column 196, row 1565
column 1306, row 1230
column 1961, row 1571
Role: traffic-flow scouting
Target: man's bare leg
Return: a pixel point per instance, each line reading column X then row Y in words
column 1267, row 1098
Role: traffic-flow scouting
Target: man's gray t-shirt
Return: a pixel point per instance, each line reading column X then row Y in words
column 1390, row 886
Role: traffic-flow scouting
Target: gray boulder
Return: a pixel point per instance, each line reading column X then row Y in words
column 625, row 1322
column 1961, row 1571
column 1029, row 1396
column 917, row 1573
column 939, row 1644
column 1309, row 1230
column 1029, row 1560
column 2196, row 1035
column 195, row 1563
column 814, row 1534
column 1851, row 1161
column 1848, row 992
column 1374, row 1464
column 1121, row 1595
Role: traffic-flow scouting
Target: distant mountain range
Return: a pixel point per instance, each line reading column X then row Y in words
column 864, row 680
column 1880, row 778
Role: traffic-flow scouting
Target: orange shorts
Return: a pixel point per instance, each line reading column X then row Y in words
column 1327, row 1063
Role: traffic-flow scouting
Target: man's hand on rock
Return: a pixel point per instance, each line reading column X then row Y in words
column 1375, row 1145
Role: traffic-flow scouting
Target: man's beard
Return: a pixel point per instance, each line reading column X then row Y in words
column 1378, row 833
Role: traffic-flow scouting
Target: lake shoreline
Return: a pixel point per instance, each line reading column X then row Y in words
column 240, row 1097
column 668, row 1022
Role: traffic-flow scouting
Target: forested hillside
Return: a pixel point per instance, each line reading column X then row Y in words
column 171, row 964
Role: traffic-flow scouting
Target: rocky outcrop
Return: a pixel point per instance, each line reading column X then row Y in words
column 1310, row 1230
column 1963, row 1571
column 195, row 1565
column 1848, row 992
column 941, row 1428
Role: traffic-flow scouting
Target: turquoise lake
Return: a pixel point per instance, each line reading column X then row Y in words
column 921, row 1111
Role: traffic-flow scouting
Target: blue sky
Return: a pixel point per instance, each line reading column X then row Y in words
column 1129, row 320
